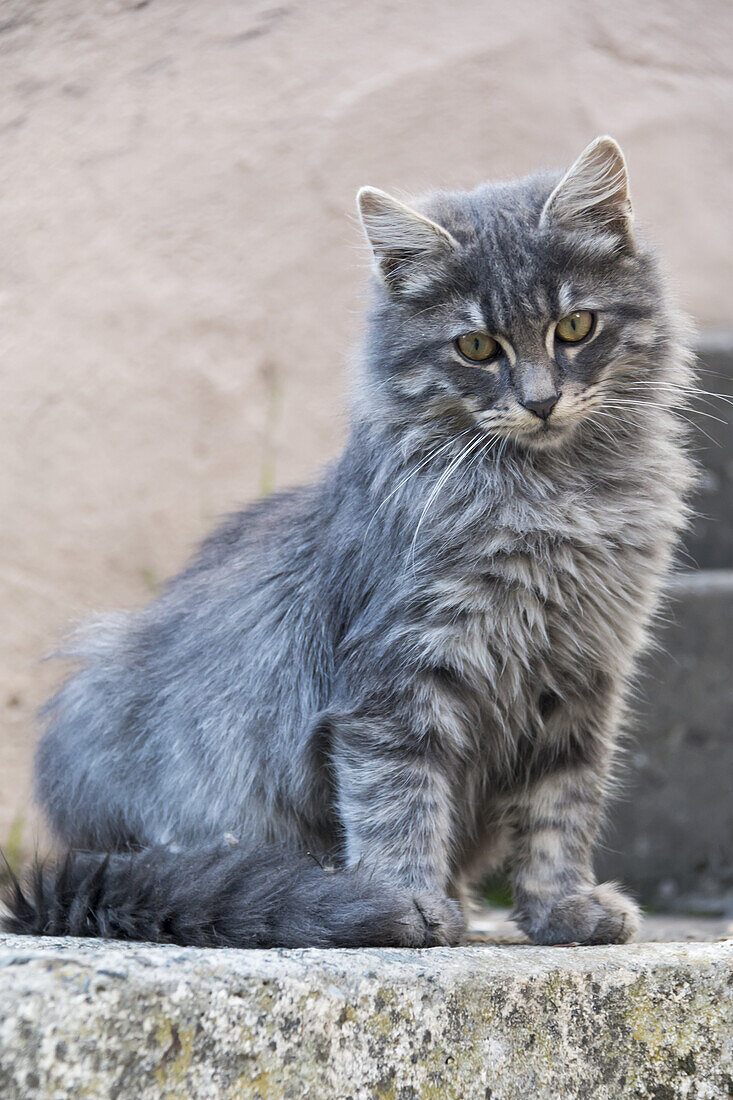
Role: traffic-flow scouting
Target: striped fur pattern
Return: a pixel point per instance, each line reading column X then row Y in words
column 416, row 668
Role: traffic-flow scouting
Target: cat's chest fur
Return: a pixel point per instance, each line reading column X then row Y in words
column 539, row 605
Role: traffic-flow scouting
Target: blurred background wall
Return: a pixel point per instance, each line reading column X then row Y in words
column 180, row 266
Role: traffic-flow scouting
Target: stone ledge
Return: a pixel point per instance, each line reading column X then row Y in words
column 102, row 1020
column 670, row 831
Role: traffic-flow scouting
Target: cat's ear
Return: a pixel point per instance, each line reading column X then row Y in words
column 594, row 193
column 407, row 246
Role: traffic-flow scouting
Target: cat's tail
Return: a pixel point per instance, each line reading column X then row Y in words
column 224, row 897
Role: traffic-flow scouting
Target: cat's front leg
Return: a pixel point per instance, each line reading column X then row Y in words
column 395, row 806
column 557, row 900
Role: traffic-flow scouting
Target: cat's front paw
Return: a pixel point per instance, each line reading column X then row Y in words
column 431, row 920
column 598, row 915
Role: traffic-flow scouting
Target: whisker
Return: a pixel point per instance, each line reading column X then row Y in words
column 465, row 453
column 644, row 403
column 690, row 391
column 430, row 458
column 602, row 427
column 633, row 406
column 434, row 454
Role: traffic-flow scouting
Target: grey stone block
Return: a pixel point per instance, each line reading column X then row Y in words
column 103, row 1020
column 670, row 835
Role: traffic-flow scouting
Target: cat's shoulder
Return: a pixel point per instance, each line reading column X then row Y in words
column 263, row 522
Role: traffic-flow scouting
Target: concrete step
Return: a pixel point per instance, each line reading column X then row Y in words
column 492, row 1020
column 670, row 830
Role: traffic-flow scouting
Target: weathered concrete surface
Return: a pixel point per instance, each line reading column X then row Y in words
column 670, row 834
column 497, row 1023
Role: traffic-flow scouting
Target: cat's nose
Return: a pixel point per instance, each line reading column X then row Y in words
column 543, row 406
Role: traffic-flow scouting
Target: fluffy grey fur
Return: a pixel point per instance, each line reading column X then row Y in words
column 414, row 669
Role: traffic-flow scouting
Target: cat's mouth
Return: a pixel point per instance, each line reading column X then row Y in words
column 544, row 434
column 536, row 432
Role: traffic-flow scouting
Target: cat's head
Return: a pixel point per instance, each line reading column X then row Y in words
column 524, row 308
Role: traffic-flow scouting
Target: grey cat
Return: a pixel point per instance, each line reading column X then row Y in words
column 364, row 694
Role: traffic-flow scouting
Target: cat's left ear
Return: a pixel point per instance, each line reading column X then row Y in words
column 407, row 246
column 594, row 193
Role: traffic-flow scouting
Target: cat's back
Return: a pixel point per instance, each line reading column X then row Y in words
column 275, row 524
column 178, row 701
column 242, row 603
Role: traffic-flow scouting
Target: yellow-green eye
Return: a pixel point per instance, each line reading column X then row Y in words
column 575, row 327
column 478, row 346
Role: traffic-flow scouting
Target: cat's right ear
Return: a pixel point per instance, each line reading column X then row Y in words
column 594, row 194
column 407, row 246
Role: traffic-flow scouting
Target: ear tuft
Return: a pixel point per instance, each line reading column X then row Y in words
column 405, row 243
column 594, row 193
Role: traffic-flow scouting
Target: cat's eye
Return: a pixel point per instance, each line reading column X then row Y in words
column 575, row 327
column 479, row 347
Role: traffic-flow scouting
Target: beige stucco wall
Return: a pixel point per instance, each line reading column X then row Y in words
column 180, row 265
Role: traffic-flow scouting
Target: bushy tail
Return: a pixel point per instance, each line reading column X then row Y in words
column 217, row 897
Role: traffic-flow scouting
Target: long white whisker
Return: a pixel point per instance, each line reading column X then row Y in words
column 693, row 391
column 697, row 411
column 632, row 406
column 465, row 453
column 603, row 427
column 502, row 447
column 644, row 403
column 433, row 454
